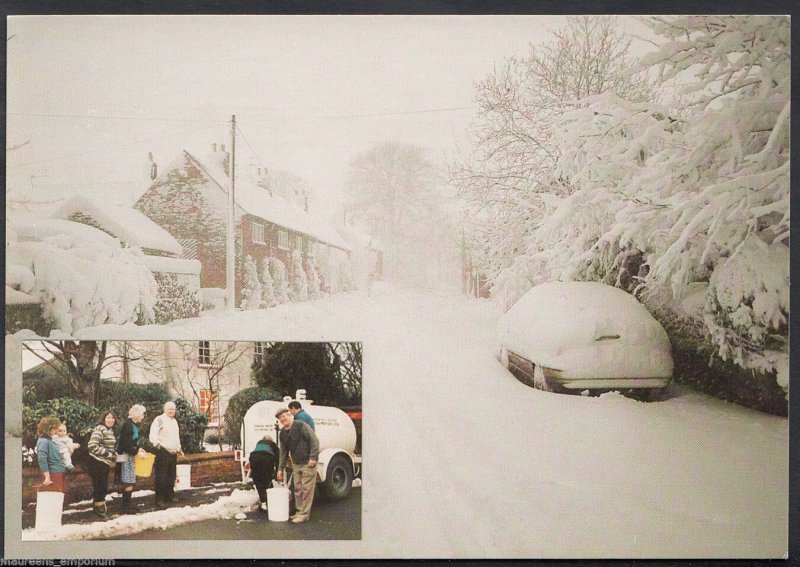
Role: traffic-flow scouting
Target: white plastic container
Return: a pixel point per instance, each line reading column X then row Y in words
column 183, row 477
column 49, row 506
column 278, row 504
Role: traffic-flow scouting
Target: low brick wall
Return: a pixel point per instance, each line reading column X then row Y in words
column 206, row 469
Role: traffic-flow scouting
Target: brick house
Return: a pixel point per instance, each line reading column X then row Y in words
column 189, row 200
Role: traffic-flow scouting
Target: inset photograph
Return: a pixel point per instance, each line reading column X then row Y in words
column 191, row 440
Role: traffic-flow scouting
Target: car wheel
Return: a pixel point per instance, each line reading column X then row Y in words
column 339, row 479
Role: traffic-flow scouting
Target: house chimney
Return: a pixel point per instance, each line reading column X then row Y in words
column 214, row 148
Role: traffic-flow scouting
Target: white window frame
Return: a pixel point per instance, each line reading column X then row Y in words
column 259, row 351
column 204, row 353
column 283, row 239
column 257, row 233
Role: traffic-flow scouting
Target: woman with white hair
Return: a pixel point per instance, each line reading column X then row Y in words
column 128, row 446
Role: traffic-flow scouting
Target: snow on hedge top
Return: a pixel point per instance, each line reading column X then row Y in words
column 257, row 201
column 576, row 324
column 125, row 223
column 33, row 228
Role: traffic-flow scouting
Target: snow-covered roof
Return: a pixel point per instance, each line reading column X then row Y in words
column 33, row 228
column 125, row 223
column 258, row 202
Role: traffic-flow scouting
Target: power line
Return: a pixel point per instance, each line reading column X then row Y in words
column 429, row 110
column 92, row 116
column 111, row 148
column 252, row 149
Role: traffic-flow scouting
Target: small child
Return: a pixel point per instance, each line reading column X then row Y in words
column 65, row 446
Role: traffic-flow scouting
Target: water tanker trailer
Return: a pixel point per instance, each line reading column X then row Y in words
column 337, row 464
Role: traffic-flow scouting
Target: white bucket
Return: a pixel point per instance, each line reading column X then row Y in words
column 278, row 504
column 49, row 506
column 183, row 477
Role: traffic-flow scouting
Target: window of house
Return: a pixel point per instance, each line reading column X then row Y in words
column 204, row 353
column 260, row 350
column 258, row 233
column 209, row 405
column 283, row 239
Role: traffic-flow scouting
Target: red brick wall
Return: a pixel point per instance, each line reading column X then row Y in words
column 206, row 468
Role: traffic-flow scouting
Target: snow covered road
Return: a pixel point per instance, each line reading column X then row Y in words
column 462, row 460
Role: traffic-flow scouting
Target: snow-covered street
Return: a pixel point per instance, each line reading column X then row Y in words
column 462, row 460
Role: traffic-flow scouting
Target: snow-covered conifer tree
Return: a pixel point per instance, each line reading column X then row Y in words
column 279, row 281
column 268, row 297
column 313, row 281
column 251, row 293
column 298, row 290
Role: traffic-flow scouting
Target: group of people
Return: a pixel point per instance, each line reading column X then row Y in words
column 299, row 441
column 109, row 451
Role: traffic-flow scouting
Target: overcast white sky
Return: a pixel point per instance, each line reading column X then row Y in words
column 92, row 95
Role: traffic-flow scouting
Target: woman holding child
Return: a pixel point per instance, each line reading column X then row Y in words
column 48, row 455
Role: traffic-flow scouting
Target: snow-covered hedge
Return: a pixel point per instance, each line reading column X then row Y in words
column 82, row 279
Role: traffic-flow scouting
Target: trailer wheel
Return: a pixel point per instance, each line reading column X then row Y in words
column 339, row 480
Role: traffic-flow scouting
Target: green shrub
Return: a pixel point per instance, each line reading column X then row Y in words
column 238, row 405
column 120, row 396
column 27, row 316
column 42, row 385
column 80, row 419
column 175, row 300
column 192, row 426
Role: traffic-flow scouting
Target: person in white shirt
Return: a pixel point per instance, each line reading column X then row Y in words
column 165, row 439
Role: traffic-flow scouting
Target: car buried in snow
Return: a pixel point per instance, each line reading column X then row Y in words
column 585, row 336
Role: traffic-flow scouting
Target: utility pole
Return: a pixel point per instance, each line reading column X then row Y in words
column 230, row 249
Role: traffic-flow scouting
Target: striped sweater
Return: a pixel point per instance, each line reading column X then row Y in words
column 101, row 445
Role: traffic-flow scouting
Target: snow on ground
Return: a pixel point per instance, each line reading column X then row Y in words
column 224, row 507
column 112, row 496
column 462, row 460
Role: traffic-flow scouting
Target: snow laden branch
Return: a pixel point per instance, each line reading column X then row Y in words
column 701, row 199
column 509, row 181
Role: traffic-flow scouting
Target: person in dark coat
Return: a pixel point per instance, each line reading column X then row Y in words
column 300, row 442
column 128, row 446
column 262, row 466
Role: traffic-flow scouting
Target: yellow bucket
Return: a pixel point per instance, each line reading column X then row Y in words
column 144, row 465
